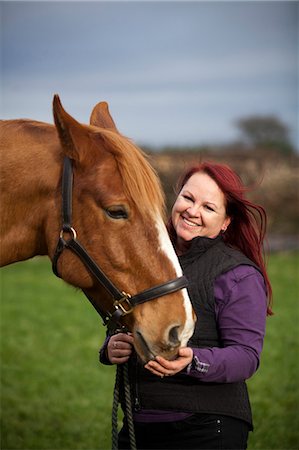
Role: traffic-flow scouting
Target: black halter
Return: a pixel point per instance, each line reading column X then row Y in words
column 123, row 303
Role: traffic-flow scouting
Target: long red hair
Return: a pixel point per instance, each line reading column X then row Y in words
column 247, row 229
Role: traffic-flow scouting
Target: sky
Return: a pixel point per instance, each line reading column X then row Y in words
column 173, row 72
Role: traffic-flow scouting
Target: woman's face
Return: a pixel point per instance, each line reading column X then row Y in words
column 199, row 210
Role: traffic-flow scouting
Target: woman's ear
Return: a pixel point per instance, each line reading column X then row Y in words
column 226, row 223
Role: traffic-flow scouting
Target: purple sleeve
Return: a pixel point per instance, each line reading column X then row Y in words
column 241, row 310
column 103, row 358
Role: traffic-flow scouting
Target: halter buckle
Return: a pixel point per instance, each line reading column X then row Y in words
column 125, row 300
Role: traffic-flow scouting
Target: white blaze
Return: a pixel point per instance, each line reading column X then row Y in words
column 167, row 248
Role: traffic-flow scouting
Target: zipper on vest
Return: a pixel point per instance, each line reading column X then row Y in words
column 136, row 394
column 136, row 404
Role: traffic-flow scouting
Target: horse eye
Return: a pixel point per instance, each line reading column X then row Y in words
column 117, row 212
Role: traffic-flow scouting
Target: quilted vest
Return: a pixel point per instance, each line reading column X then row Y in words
column 202, row 264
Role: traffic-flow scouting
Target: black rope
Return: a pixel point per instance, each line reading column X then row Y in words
column 115, row 408
column 128, row 402
column 122, row 379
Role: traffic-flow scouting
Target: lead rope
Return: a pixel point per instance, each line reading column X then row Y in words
column 122, row 374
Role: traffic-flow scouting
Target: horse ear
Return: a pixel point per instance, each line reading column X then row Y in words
column 101, row 117
column 72, row 134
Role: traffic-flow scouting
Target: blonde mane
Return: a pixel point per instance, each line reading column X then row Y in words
column 141, row 182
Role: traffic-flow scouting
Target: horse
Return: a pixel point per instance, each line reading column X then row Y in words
column 116, row 205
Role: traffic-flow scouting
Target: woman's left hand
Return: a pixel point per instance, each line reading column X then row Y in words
column 162, row 367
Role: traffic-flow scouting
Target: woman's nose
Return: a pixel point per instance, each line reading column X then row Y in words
column 194, row 210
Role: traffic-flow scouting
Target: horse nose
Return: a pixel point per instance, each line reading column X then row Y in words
column 173, row 336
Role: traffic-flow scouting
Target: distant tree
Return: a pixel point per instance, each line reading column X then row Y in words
column 267, row 132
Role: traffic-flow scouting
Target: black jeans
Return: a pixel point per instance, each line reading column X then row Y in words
column 197, row 432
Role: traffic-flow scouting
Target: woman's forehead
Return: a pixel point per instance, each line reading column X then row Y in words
column 205, row 188
column 202, row 182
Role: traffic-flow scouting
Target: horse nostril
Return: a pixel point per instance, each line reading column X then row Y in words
column 174, row 335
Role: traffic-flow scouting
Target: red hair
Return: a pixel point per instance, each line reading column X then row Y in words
column 247, row 229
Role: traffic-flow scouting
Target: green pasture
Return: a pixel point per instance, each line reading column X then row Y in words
column 56, row 396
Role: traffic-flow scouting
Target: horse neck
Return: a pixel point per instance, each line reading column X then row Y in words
column 28, row 195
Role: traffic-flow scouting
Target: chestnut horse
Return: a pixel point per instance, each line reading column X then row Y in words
column 117, row 212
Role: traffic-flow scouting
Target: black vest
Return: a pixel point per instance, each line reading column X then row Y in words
column 205, row 260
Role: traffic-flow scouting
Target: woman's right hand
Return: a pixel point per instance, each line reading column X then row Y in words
column 120, row 347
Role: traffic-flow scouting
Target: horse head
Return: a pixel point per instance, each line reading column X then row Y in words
column 117, row 212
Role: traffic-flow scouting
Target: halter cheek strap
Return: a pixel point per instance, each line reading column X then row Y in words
column 123, row 303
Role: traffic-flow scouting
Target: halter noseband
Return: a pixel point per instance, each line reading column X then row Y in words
column 123, row 303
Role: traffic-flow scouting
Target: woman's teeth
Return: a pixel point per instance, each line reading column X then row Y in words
column 191, row 224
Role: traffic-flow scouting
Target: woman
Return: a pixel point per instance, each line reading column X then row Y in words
column 200, row 400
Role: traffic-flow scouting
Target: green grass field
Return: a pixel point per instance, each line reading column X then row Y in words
column 56, row 396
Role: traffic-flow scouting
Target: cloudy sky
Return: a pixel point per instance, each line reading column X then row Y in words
column 173, row 72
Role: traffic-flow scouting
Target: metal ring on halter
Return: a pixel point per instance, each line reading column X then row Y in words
column 69, row 230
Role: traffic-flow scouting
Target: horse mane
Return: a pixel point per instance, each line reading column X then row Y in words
column 140, row 180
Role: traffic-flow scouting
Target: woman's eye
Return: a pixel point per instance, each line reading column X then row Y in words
column 117, row 212
column 209, row 208
column 187, row 197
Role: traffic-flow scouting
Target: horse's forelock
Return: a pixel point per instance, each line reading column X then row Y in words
column 140, row 180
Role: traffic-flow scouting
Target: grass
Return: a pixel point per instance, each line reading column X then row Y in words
column 56, row 396
column 274, row 388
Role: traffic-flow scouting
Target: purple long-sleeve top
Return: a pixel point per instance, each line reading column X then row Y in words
column 241, row 310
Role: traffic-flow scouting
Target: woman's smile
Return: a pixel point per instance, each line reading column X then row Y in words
column 189, row 222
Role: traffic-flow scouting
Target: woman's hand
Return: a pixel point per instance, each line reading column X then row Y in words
column 162, row 367
column 120, row 347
